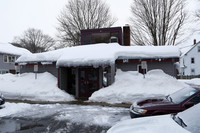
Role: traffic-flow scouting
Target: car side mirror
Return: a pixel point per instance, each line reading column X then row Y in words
column 188, row 105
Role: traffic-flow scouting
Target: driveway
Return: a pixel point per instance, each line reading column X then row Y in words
column 60, row 118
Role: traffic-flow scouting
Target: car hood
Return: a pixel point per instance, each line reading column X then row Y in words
column 152, row 102
column 155, row 124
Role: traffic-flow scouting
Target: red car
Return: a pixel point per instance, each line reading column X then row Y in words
column 174, row 103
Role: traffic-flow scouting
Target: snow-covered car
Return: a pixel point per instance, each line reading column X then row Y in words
column 2, row 101
column 183, row 122
column 173, row 103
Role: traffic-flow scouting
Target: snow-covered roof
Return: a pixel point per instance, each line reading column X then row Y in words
column 12, row 50
column 99, row 54
column 184, row 50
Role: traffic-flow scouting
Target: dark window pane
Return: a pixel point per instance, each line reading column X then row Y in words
column 92, row 75
column 92, row 87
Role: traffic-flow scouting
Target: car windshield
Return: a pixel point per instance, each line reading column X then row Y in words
column 181, row 95
column 189, row 119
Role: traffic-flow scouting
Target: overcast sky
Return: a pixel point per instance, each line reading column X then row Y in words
column 16, row 16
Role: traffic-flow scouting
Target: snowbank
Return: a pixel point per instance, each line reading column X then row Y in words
column 130, row 86
column 25, row 86
column 13, row 108
column 194, row 81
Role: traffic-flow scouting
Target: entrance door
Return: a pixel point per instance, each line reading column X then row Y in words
column 88, row 81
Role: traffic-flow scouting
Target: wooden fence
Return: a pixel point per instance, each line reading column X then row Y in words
column 187, row 76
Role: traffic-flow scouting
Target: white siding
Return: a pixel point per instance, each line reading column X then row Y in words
column 186, row 61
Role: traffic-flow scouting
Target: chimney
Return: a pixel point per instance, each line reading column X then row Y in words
column 126, row 35
column 195, row 41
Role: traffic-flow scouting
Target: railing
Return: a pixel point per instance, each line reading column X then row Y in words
column 187, row 76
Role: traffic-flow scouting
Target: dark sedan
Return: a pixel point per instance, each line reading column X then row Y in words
column 2, row 101
column 174, row 103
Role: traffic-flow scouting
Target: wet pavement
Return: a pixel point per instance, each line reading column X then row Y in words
column 46, row 125
column 62, row 118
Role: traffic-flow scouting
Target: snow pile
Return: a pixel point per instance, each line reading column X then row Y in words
column 194, row 81
column 13, row 50
column 130, row 86
column 13, row 108
column 25, row 86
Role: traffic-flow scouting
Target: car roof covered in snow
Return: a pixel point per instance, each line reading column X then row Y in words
column 103, row 53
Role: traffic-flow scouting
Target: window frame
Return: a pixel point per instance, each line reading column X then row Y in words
column 3, row 71
column 192, row 71
column 9, row 58
column 192, row 60
column 198, row 49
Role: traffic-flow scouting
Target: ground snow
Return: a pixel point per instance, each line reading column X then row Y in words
column 13, row 108
column 194, row 81
column 25, row 86
column 129, row 86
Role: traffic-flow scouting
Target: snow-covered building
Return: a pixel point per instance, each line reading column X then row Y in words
column 81, row 70
column 190, row 60
column 8, row 55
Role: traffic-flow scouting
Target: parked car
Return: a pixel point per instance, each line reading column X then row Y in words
column 174, row 103
column 183, row 122
column 2, row 101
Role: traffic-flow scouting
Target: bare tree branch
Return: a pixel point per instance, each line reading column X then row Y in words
column 34, row 40
column 157, row 22
column 82, row 14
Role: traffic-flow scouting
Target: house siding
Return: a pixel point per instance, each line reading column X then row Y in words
column 6, row 66
column 185, row 62
column 51, row 68
column 167, row 67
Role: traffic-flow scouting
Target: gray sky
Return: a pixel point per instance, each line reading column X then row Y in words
column 16, row 16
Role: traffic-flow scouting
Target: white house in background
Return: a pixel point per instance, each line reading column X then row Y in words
column 8, row 56
column 190, row 60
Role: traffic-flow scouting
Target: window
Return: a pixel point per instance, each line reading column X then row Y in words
column 9, row 58
column 192, row 71
column 196, row 99
column 4, row 71
column 198, row 48
column 192, row 60
column 5, row 59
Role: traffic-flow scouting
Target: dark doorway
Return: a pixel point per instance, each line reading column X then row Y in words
column 71, row 81
column 88, row 81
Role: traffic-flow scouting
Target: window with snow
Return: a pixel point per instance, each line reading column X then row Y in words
column 192, row 60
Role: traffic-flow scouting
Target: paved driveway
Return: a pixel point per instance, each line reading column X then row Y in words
column 60, row 118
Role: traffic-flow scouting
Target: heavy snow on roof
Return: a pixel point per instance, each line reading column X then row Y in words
column 97, row 54
column 6, row 48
